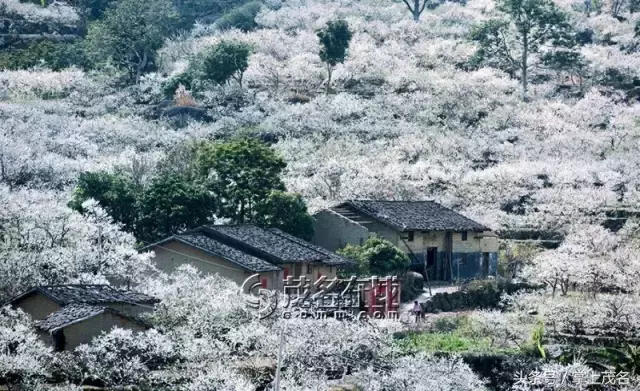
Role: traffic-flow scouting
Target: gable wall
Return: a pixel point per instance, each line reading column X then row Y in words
column 85, row 331
column 333, row 232
column 173, row 254
column 38, row 306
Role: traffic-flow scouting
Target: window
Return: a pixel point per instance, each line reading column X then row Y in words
column 464, row 236
column 410, row 238
column 330, row 269
column 263, row 283
column 308, row 268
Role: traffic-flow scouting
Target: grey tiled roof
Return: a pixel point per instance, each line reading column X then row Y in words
column 416, row 215
column 217, row 248
column 278, row 248
column 331, row 258
column 88, row 294
column 74, row 313
column 69, row 314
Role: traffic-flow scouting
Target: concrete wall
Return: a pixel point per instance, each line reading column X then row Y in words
column 173, row 254
column 333, row 231
column 85, row 331
column 422, row 240
column 38, row 306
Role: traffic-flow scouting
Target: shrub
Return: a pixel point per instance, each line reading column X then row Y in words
column 170, row 86
column 242, row 18
column 55, row 56
column 226, row 60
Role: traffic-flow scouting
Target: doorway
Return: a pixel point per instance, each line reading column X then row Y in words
column 431, row 259
column 485, row 265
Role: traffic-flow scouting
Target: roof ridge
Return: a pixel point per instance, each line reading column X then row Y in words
column 302, row 242
column 218, row 254
column 239, row 242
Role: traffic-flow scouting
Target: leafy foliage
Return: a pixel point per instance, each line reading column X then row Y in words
column 242, row 17
column 224, row 61
column 173, row 203
column 377, row 257
column 130, row 34
column 528, row 27
column 116, row 193
column 287, row 212
column 242, row 174
column 334, row 43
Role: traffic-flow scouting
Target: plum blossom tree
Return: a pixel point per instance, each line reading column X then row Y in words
column 23, row 356
column 44, row 242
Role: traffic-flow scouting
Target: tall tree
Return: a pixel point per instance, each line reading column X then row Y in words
column 224, row 61
column 287, row 212
column 129, row 35
column 528, row 26
column 334, row 43
column 116, row 193
column 242, row 174
column 173, row 203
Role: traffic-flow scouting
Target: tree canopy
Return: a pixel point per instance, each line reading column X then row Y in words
column 377, row 257
column 130, row 34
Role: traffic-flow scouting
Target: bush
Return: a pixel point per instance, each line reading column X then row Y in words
column 242, row 18
column 226, row 60
column 171, row 85
column 53, row 55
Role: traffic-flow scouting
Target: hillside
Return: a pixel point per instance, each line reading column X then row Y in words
column 417, row 111
column 404, row 121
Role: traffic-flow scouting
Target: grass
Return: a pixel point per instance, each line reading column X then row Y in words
column 440, row 342
column 454, row 334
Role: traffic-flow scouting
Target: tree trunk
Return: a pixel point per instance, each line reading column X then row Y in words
column 525, row 52
column 330, row 71
column 141, row 65
column 416, row 10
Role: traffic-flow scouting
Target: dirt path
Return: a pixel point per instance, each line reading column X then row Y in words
column 424, row 296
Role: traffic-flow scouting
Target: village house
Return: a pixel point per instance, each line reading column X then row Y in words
column 444, row 243
column 69, row 315
column 239, row 251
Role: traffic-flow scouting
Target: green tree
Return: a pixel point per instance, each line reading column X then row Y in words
column 116, row 193
column 528, row 25
column 173, row 203
column 377, row 256
column 242, row 17
column 224, row 61
column 287, row 212
column 334, row 43
column 130, row 34
column 242, row 174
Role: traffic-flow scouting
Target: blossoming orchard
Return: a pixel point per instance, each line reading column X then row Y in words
column 380, row 195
